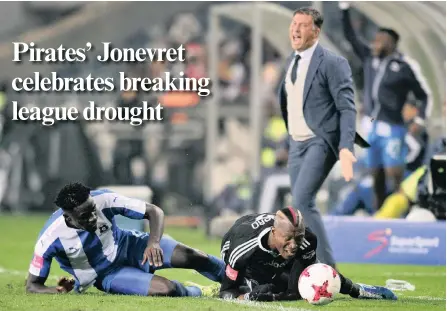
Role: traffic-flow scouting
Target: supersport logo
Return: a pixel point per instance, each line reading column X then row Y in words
column 378, row 236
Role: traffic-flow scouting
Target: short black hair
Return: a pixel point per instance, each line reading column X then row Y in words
column 72, row 195
column 391, row 32
column 316, row 15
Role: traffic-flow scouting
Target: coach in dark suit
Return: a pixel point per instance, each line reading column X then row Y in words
column 317, row 104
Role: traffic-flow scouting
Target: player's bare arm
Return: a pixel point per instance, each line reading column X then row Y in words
column 153, row 252
column 36, row 285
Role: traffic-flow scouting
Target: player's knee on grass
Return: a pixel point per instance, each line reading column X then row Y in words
column 160, row 286
column 209, row 266
column 186, row 257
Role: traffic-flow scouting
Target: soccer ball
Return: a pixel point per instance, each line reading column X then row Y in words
column 318, row 284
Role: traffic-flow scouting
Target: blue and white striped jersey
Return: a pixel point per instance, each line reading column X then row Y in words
column 83, row 254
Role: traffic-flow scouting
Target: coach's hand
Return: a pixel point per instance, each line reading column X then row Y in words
column 347, row 160
column 153, row 254
column 65, row 285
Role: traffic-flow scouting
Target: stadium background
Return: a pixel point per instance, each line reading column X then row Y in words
column 210, row 156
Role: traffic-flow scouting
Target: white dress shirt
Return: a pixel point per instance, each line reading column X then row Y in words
column 298, row 128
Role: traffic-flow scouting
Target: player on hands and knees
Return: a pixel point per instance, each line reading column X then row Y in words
column 265, row 255
column 83, row 237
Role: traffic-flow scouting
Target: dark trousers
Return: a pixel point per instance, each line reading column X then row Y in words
column 309, row 164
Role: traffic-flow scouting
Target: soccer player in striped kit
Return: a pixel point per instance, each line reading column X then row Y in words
column 84, row 239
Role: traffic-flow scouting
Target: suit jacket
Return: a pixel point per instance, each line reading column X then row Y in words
column 328, row 103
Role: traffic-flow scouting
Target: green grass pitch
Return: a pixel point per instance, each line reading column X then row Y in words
column 18, row 234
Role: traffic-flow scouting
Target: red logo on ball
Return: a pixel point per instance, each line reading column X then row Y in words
column 321, row 291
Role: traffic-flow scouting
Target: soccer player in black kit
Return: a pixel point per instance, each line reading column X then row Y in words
column 265, row 254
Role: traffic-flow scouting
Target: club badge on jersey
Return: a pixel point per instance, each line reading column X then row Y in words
column 231, row 273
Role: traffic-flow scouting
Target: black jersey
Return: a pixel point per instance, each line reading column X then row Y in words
column 247, row 257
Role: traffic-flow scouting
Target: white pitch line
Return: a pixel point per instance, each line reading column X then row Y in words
column 416, row 274
column 252, row 304
column 423, row 298
column 266, row 306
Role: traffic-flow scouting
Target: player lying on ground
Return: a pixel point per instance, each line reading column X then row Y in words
column 265, row 255
column 86, row 242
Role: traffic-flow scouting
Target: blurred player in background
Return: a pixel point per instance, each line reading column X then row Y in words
column 414, row 192
column 389, row 78
column 265, row 255
column 84, row 239
column 361, row 195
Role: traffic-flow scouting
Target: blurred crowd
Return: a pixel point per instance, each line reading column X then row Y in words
column 172, row 167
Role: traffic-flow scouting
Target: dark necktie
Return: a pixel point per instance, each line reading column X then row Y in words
column 295, row 68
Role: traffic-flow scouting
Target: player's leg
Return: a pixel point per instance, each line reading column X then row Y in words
column 394, row 154
column 309, row 164
column 397, row 204
column 349, row 204
column 366, row 193
column 394, row 206
column 133, row 281
column 363, row 291
column 175, row 255
column 375, row 163
column 209, row 266
column 360, row 196
column 379, row 187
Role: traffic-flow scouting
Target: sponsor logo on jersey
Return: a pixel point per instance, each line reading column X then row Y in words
column 103, row 228
column 262, row 220
column 309, row 255
column 275, row 264
column 37, row 261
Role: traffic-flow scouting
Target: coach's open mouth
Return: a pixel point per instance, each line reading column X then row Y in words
column 296, row 38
